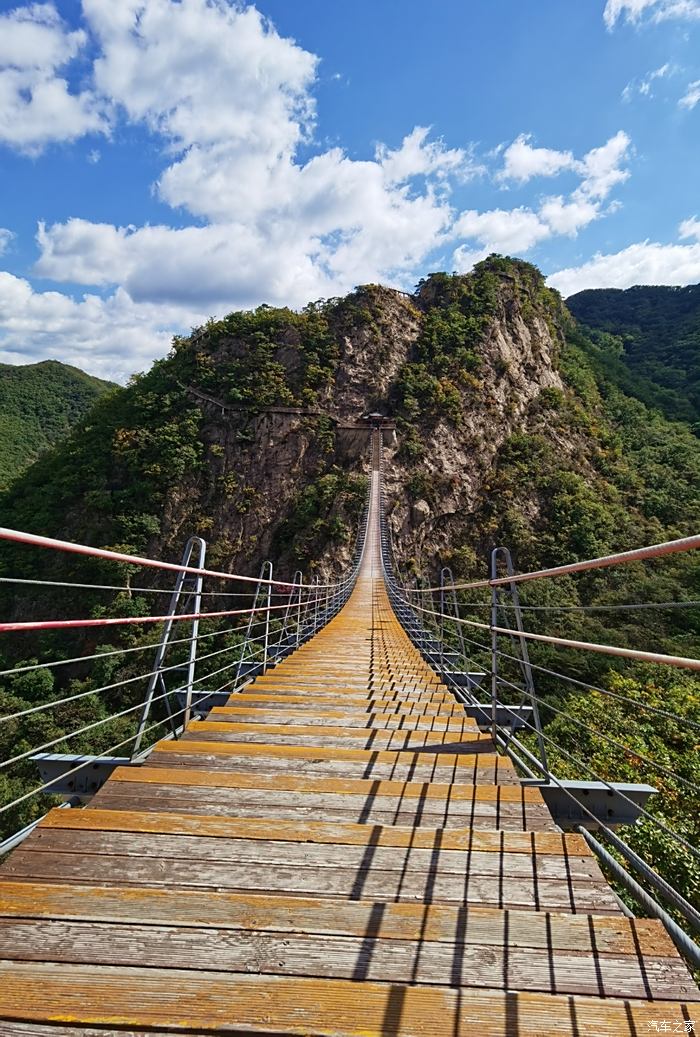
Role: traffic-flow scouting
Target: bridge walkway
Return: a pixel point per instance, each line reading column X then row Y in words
column 338, row 850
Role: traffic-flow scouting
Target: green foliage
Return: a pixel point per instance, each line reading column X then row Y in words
column 264, row 357
column 39, row 404
column 458, row 312
column 326, row 510
column 648, row 340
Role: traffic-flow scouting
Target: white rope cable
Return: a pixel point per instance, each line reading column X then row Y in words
column 33, row 540
column 127, row 680
column 134, row 590
column 621, row 558
column 109, row 719
column 637, row 703
column 106, row 655
column 624, row 653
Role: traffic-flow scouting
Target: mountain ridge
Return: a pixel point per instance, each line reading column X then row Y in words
column 40, row 403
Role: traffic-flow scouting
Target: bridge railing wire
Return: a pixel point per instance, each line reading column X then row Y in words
column 496, row 675
column 55, row 714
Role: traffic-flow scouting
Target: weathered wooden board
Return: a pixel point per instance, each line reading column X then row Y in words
column 329, row 718
column 472, row 839
column 295, row 782
column 576, row 895
column 369, row 958
column 202, row 848
column 206, row 1001
column 444, row 923
column 211, row 756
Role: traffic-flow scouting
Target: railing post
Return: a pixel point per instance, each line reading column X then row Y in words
column 316, row 590
column 157, row 673
column 494, row 646
column 267, row 621
column 299, row 596
column 525, row 657
column 192, row 660
column 252, row 616
column 442, row 619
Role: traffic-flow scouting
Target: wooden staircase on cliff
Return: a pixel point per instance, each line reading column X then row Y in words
column 338, row 850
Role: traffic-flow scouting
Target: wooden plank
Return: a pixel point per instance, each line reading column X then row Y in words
column 335, row 717
column 522, row 892
column 444, row 923
column 472, row 839
column 232, row 726
column 469, row 809
column 159, row 800
column 202, row 848
column 485, row 770
column 424, row 790
column 301, row 754
column 359, row 705
column 368, row 957
column 209, row 1001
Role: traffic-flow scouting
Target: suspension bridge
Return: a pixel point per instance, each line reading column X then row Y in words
column 341, row 832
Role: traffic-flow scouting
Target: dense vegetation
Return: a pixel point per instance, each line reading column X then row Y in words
column 40, row 403
column 590, row 471
column 649, row 340
column 589, row 467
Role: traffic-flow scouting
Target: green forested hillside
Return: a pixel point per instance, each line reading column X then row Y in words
column 648, row 339
column 39, row 403
column 515, row 425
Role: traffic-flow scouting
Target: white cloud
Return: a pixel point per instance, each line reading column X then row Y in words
column 600, row 169
column 644, row 86
column 691, row 96
column 522, row 162
column 568, row 217
column 231, row 104
column 642, row 263
column 6, row 238
column 502, row 230
column 633, row 11
column 36, row 104
column 110, row 337
column 518, row 230
column 689, row 228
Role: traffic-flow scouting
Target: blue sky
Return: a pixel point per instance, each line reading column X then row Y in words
column 162, row 161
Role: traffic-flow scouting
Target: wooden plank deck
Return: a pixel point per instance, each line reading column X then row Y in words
column 337, row 851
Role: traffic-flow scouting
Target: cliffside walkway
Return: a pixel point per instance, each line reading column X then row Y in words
column 336, row 851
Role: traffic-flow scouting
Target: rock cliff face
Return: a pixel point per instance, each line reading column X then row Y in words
column 245, row 433
column 517, row 361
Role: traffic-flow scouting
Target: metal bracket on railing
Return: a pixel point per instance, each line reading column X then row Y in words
column 68, row 778
column 572, row 802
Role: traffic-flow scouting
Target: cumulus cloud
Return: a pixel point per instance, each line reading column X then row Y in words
column 518, row 230
column 600, row 169
column 112, row 336
column 275, row 216
column 645, row 262
column 634, row 11
column 690, row 228
column 37, row 106
column 522, row 162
